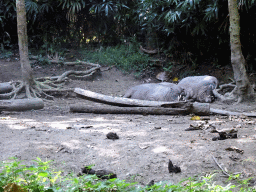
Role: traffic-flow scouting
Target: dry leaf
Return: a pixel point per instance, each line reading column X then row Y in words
column 12, row 187
column 175, row 79
column 195, row 118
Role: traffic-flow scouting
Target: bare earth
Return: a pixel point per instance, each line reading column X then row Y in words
column 146, row 143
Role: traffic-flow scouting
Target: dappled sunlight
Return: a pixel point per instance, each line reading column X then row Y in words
column 245, row 140
column 62, row 122
column 145, row 144
column 58, row 124
column 135, row 133
column 45, row 145
column 110, row 152
column 72, row 144
column 107, row 122
column 15, row 123
column 161, row 149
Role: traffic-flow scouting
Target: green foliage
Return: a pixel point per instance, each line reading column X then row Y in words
column 185, row 29
column 40, row 177
column 8, row 26
column 127, row 58
column 4, row 54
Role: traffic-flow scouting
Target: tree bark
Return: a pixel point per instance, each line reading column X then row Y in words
column 5, row 87
column 126, row 102
column 244, row 88
column 27, row 75
column 21, row 104
column 129, row 110
column 141, row 106
column 228, row 113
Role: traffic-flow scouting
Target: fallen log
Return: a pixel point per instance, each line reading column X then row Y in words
column 21, row 104
column 230, row 113
column 146, row 107
column 5, row 87
column 128, row 110
column 143, row 106
column 126, row 102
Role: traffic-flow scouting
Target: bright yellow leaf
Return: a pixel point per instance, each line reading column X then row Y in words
column 175, row 79
column 195, row 118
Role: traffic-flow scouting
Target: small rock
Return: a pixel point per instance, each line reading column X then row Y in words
column 234, row 158
column 251, row 122
column 173, row 168
column 235, row 149
column 82, row 126
column 193, row 127
column 112, row 135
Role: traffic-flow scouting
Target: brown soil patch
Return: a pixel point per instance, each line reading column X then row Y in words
column 146, row 143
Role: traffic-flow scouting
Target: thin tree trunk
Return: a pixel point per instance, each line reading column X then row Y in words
column 237, row 59
column 27, row 75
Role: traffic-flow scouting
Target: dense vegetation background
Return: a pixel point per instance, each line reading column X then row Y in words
column 186, row 31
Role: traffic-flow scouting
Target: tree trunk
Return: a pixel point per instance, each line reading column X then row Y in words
column 27, row 75
column 150, row 107
column 21, row 104
column 244, row 88
column 5, row 87
column 129, row 110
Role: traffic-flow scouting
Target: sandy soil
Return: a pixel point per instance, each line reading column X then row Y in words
column 146, row 143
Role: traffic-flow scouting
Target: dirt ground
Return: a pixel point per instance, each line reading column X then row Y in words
column 146, row 143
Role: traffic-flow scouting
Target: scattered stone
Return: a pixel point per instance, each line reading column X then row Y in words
column 215, row 138
column 143, row 146
column 225, row 134
column 235, row 149
column 234, row 158
column 205, row 118
column 63, row 149
column 41, row 129
column 173, row 168
column 82, row 126
column 112, row 135
column 203, row 125
column 193, row 127
column 250, row 122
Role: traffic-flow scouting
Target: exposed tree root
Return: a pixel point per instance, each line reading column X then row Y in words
column 155, row 51
column 41, row 87
column 228, row 97
column 232, row 96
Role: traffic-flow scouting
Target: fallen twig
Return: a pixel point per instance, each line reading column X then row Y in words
column 223, row 171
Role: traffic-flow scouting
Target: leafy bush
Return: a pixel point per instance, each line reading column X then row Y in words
column 127, row 58
column 5, row 54
column 42, row 178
